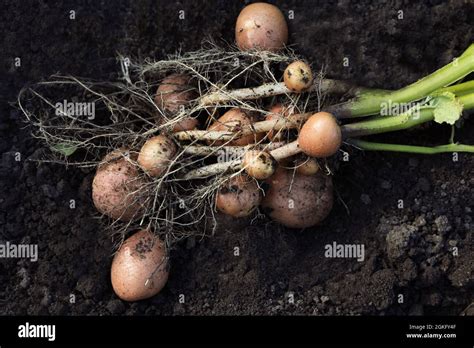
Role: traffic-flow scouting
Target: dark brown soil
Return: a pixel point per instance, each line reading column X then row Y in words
column 409, row 250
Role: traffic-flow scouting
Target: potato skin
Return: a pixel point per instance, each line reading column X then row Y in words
column 115, row 185
column 141, row 257
column 261, row 26
column 298, row 76
column 186, row 124
column 173, row 92
column 307, row 166
column 307, row 204
column 156, row 155
column 320, row 136
column 239, row 196
column 235, row 118
column 259, row 164
column 277, row 111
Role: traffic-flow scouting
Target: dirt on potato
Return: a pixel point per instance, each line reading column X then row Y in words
column 413, row 214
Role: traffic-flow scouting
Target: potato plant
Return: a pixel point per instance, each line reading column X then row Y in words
column 184, row 138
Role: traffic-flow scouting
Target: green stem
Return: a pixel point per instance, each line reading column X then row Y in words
column 387, row 124
column 370, row 103
column 460, row 89
column 425, row 150
column 394, row 123
column 451, row 137
column 457, row 89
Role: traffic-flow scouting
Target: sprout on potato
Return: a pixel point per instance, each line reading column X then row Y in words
column 116, row 186
column 298, row 76
column 298, row 201
column 261, row 26
column 156, row 155
column 239, row 196
column 140, row 267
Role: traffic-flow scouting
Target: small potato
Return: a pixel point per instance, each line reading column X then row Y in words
column 298, row 201
column 261, row 26
column 174, row 92
column 239, row 196
column 156, row 155
column 298, row 76
column 277, row 111
column 307, row 166
column 186, row 124
column 140, row 267
column 320, row 136
column 116, row 186
column 234, row 120
column 259, row 164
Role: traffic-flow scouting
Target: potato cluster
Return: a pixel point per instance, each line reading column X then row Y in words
column 286, row 182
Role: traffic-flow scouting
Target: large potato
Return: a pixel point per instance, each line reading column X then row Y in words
column 298, row 201
column 116, row 186
column 261, row 26
column 140, row 267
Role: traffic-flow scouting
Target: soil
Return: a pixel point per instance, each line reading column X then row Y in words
column 413, row 214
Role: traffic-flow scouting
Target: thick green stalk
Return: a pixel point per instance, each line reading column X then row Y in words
column 459, row 90
column 394, row 123
column 371, row 103
column 424, row 150
column 387, row 124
